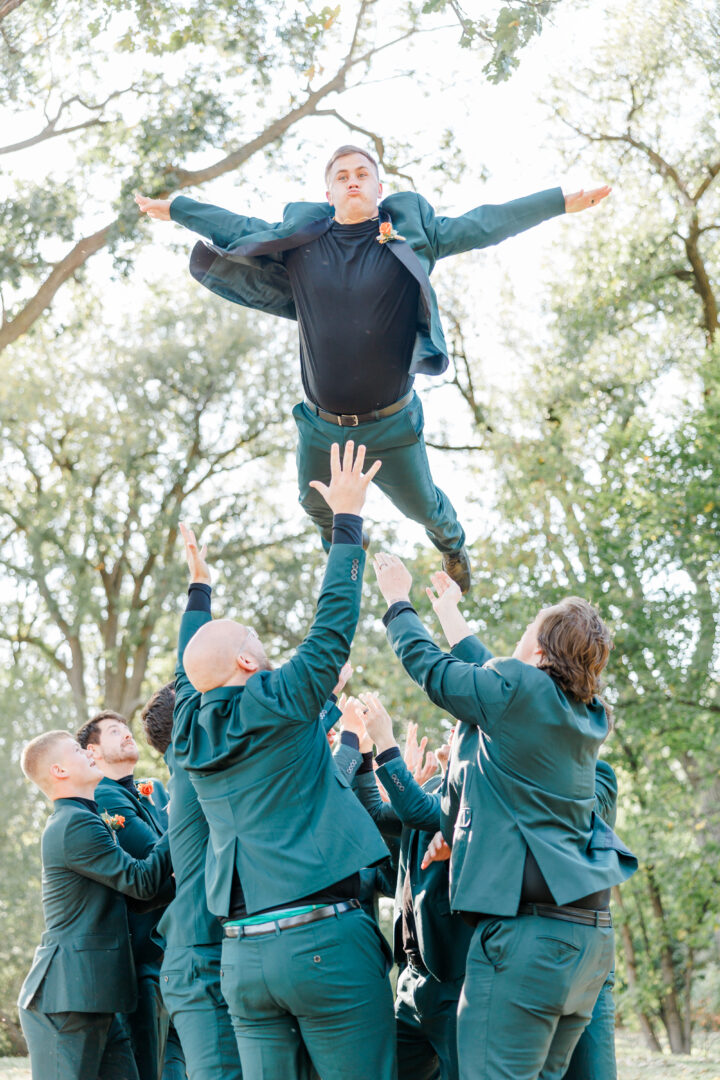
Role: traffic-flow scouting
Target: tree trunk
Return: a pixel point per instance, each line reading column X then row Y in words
column 672, row 1012
column 646, row 1025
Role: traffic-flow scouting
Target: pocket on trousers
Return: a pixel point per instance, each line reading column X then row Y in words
column 496, row 941
column 559, row 950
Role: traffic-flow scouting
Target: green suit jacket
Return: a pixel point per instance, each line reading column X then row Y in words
column 279, row 811
column 521, row 772
column 84, row 962
column 146, row 820
column 244, row 260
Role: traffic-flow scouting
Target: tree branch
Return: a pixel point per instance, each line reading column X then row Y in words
column 6, row 6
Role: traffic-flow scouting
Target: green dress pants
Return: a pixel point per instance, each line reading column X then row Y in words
column 313, row 997
column 530, row 987
column 77, row 1046
column 404, row 477
column 426, row 1026
column 190, row 986
column 594, row 1056
column 157, row 1050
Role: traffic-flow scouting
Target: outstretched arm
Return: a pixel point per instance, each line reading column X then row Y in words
column 197, row 612
column 303, row 684
column 491, row 224
column 467, row 690
column 222, row 227
column 90, row 850
column 415, row 807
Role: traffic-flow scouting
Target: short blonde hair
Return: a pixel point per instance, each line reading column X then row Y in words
column 37, row 753
column 343, row 151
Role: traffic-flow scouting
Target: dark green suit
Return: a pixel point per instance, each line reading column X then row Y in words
column 190, row 971
column 521, row 776
column 156, row 1045
column 243, row 262
column 428, row 985
column 83, row 971
column 284, row 818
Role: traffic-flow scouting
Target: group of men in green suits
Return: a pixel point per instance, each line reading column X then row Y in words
column 273, row 966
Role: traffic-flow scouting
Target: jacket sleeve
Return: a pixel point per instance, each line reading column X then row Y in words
column 606, row 791
column 386, row 819
column 221, row 227
column 185, row 693
column 304, row 683
column 416, row 808
column 478, row 695
column 488, row 225
column 347, row 762
column 329, row 714
column 91, row 850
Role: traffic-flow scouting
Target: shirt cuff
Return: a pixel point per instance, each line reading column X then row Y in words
column 395, row 609
column 199, row 597
column 347, row 529
column 367, row 763
column 390, row 754
column 349, row 738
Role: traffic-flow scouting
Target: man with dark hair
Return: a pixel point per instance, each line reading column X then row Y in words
column 143, row 805
column 355, row 275
column 190, row 970
column 533, row 874
column 304, row 969
column 82, row 973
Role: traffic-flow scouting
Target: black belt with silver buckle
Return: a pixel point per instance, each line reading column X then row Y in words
column 292, row 920
column 583, row 916
column 353, row 419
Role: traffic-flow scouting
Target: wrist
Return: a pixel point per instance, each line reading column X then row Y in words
column 383, row 744
column 397, row 598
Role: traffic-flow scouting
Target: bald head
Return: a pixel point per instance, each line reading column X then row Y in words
column 223, row 653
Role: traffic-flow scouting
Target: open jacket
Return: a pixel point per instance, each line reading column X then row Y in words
column 243, row 260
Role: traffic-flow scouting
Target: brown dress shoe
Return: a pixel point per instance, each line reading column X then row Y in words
column 457, row 565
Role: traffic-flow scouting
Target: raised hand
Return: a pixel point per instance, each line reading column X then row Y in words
column 445, row 597
column 346, row 672
column 154, row 208
column 426, row 769
column 199, row 570
column 392, row 577
column 348, row 483
column 378, row 723
column 438, row 851
column 413, row 754
column 583, row 200
column 353, row 717
column 445, row 594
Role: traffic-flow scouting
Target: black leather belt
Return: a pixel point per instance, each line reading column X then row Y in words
column 273, row 927
column 583, row 916
column 353, row 419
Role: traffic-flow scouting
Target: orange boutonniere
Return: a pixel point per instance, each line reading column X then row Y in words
column 388, row 233
column 113, row 821
column 145, row 787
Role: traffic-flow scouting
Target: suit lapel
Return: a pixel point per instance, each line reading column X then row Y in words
column 405, row 254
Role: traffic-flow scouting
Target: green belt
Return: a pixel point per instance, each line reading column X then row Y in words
column 272, row 916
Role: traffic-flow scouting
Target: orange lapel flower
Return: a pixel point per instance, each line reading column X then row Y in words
column 388, row 233
column 145, row 787
column 113, row 821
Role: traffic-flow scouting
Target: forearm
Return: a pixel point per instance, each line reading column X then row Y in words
column 383, row 815
column 416, row 808
column 491, row 224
